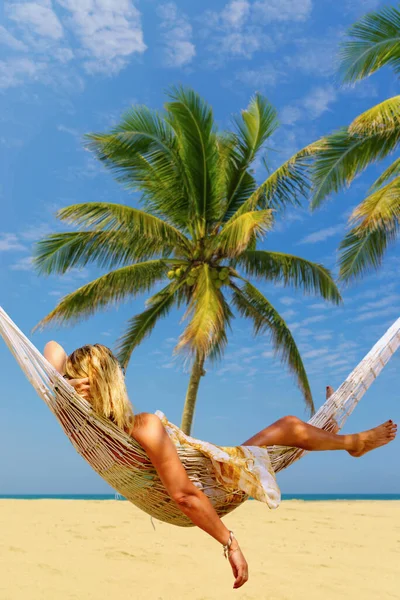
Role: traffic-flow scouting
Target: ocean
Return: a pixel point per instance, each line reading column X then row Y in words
column 305, row 497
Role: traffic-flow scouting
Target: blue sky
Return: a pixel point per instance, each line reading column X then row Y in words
column 69, row 67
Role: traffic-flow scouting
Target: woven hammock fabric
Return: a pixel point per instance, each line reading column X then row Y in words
column 122, row 462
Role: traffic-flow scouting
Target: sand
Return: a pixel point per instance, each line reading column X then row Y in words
column 108, row 550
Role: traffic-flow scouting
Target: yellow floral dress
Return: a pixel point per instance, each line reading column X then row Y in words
column 247, row 468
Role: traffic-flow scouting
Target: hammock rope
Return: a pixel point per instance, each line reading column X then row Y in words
column 122, row 462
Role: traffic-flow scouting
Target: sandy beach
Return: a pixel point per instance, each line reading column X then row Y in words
column 93, row 549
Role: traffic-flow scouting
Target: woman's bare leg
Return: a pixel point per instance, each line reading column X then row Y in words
column 292, row 431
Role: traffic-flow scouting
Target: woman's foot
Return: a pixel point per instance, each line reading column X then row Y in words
column 373, row 438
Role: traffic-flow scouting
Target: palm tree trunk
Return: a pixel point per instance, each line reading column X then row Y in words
column 191, row 394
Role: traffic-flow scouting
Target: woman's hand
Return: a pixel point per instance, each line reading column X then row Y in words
column 239, row 565
column 81, row 386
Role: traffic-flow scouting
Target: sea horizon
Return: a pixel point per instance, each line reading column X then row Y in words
column 304, row 497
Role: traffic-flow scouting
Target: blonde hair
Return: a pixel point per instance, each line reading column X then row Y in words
column 108, row 394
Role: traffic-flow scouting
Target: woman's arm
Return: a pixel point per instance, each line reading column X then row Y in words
column 153, row 437
column 56, row 356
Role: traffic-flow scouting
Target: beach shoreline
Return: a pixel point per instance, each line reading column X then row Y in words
column 102, row 549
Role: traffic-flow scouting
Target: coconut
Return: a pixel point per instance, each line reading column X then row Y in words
column 171, row 274
column 190, row 281
column 214, row 273
column 178, row 272
column 218, row 283
column 223, row 274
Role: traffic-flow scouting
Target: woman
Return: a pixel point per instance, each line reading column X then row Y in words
column 97, row 376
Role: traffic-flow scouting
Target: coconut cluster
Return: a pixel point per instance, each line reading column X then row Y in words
column 219, row 275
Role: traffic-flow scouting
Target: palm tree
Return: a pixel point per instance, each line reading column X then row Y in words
column 203, row 216
column 374, row 42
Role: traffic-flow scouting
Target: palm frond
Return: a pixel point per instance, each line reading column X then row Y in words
column 142, row 152
column 374, row 43
column 253, row 305
column 124, row 219
column 377, row 223
column 221, row 339
column 342, row 156
column 363, row 251
column 207, row 313
column 285, row 186
column 107, row 290
column 141, row 325
column 287, row 269
column 380, row 210
column 60, row 252
column 253, row 127
column 381, row 118
column 192, row 120
column 237, row 234
column 392, row 171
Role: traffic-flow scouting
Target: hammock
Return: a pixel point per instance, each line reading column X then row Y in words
column 123, row 463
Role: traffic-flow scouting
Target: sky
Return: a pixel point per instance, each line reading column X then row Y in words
column 69, row 67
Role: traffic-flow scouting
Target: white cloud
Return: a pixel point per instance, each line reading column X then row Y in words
column 69, row 130
column 303, row 331
column 110, row 32
column 74, row 273
column 231, row 368
column 290, row 115
column 9, row 40
column 179, row 49
column 362, row 7
column 316, row 353
column 315, row 319
column 322, row 235
column 375, row 314
column 16, row 71
column 316, row 56
column 9, row 241
column 270, row 11
column 337, row 363
column 38, row 17
column 371, row 293
column 234, row 32
column 239, row 29
column 34, row 232
column 24, row 264
column 387, row 300
column 63, row 55
column 313, row 105
column 169, row 365
column 235, row 13
column 319, row 305
column 258, row 79
column 323, row 336
column 318, row 100
column 288, row 313
column 308, row 321
column 287, row 300
column 241, row 43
